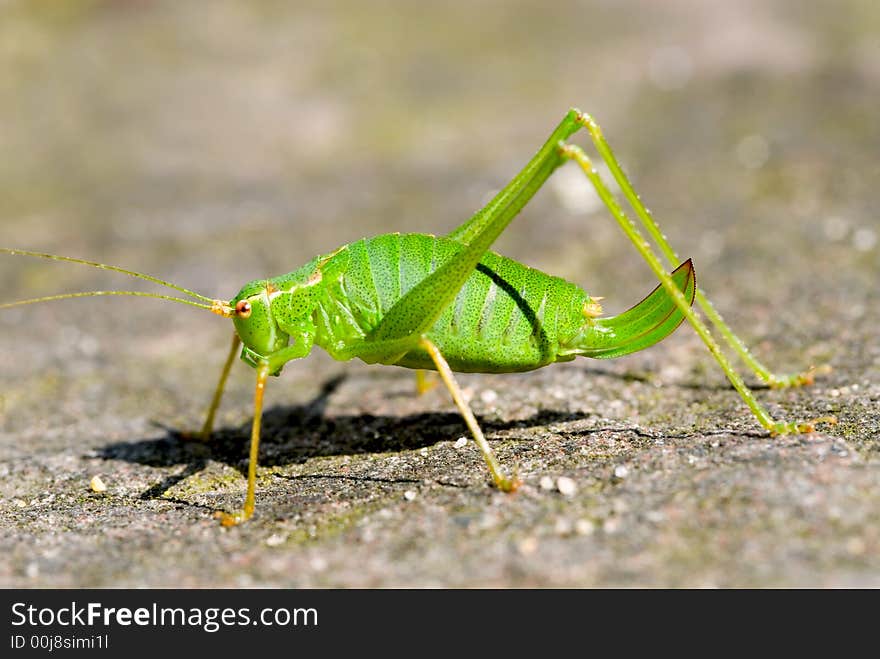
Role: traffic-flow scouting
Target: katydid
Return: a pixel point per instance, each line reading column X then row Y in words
column 449, row 304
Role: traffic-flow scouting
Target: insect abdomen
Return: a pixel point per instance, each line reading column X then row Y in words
column 507, row 317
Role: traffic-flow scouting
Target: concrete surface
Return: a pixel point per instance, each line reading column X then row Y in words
column 213, row 147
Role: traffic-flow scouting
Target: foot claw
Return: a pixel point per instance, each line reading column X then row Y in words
column 229, row 519
column 799, row 379
column 509, row 484
column 784, row 428
column 810, row 426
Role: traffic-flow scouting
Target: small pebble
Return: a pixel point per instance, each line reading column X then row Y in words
column 620, row 471
column 855, row 546
column 562, row 526
column 409, row 495
column 97, row 484
column 276, row 539
column 611, row 525
column 584, row 527
column 566, row 486
column 489, row 396
column 546, row 483
column 461, row 442
column 528, row 546
column 835, row 228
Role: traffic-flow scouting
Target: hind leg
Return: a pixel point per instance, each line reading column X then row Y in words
column 653, row 229
column 631, row 230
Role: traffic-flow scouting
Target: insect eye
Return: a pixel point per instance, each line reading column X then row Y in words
column 243, row 309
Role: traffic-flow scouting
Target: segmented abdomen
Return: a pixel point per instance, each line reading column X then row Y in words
column 506, row 318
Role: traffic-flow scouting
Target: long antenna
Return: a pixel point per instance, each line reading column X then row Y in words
column 48, row 298
column 103, row 266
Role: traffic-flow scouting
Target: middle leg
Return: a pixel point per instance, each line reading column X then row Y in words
column 424, row 382
column 503, row 483
column 228, row 519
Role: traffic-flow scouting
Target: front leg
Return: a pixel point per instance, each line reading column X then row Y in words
column 247, row 511
column 266, row 366
column 775, row 427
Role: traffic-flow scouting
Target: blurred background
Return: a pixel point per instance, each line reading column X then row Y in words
column 213, row 143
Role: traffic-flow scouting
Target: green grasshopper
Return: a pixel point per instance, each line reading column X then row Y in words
column 449, row 304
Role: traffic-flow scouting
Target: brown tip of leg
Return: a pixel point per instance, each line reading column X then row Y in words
column 228, row 519
column 510, row 484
